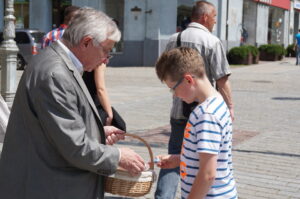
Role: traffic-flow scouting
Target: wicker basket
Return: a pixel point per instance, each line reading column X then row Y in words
column 123, row 184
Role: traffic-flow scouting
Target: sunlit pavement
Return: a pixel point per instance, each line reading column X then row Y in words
column 266, row 153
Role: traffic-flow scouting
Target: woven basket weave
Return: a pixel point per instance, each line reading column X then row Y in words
column 123, row 184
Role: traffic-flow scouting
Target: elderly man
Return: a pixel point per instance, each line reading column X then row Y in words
column 55, row 144
column 198, row 36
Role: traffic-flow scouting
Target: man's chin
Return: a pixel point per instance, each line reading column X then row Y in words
column 186, row 101
column 90, row 69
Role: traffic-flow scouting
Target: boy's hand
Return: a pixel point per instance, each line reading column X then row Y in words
column 168, row 161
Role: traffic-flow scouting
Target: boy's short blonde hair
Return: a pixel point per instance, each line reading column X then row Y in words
column 177, row 62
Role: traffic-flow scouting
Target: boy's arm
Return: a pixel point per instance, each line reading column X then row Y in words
column 168, row 161
column 205, row 176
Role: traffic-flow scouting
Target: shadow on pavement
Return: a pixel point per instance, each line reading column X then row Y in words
column 286, row 98
column 268, row 153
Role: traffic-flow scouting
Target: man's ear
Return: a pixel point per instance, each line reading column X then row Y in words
column 203, row 19
column 85, row 41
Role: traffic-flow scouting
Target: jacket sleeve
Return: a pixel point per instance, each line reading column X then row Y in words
column 59, row 111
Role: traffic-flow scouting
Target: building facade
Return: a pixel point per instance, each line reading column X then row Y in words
column 146, row 25
column 267, row 22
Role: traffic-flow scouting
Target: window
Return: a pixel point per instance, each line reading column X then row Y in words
column 58, row 7
column 22, row 13
column 1, row 37
column 22, row 38
column 38, row 36
column 115, row 9
column 183, row 17
column 275, row 32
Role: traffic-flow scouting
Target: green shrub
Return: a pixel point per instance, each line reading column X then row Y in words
column 274, row 49
column 239, row 55
column 290, row 50
column 239, row 52
column 253, row 50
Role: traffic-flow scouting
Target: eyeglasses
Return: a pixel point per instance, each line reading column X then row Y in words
column 106, row 59
column 107, row 52
column 109, row 56
column 172, row 90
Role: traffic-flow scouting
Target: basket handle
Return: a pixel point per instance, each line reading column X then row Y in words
column 148, row 147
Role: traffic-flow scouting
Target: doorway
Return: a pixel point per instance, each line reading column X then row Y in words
column 21, row 13
column 58, row 7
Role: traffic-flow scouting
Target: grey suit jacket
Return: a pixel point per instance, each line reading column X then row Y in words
column 54, row 147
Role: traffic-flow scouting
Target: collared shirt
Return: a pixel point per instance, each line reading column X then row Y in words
column 53, row 35
column 74, row 59
column 211, row 49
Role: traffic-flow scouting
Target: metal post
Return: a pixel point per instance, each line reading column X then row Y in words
column 8, row 55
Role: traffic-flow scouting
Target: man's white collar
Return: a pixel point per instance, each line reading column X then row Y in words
column 74, row 59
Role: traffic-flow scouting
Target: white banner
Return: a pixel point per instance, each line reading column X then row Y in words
column 297, row 4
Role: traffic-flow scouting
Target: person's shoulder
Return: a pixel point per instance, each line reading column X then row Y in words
column 48, row 59
column 199, row 34
column 201, row 115
column 173, row 37
column 172, row 41
column 211, row 105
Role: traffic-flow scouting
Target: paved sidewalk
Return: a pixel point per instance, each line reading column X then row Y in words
column 266, row 130
column 266, row 152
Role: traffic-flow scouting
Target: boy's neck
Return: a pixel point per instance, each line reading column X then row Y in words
column 205, row 90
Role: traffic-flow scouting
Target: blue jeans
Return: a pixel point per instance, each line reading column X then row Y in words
column 168, row 178
column 298, row 55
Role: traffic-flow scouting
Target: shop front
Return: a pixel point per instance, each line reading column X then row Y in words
column 278, row 20
column 275, row 25
column 272, row 21
column 296, row 17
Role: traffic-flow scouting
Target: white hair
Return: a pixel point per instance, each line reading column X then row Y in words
column 91, row 22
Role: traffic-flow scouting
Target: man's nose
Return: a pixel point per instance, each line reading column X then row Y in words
column 105, row 61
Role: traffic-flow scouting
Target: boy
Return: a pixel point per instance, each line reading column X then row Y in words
column 205, row 160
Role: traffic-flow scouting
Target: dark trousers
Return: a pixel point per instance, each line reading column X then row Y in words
column 168, row 178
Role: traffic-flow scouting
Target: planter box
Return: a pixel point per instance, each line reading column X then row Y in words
column 264, row 56
column 255, row 59
column 245, row 61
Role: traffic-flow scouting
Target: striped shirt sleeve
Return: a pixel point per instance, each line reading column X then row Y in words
column 208, row 134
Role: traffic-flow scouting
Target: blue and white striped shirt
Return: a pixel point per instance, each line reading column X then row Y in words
column 209, row 130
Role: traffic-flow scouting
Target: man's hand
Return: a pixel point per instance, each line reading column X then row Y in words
column 131, row 161
column 168, row 161
column 113, row 134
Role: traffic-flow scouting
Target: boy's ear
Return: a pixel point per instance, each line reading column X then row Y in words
column 189, row 78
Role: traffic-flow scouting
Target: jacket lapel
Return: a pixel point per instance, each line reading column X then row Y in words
column 77, row 76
